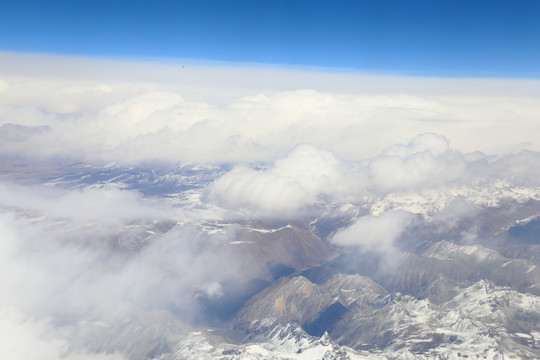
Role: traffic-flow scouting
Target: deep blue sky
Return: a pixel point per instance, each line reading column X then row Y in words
column 429, row 38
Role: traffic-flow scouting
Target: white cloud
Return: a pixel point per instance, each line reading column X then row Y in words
column 60, row 266
column 212, row 289
column 129, row 112
column 429, row 142
column 26, row 338
column 374, row 232
column 424, row 168
column 3, row 85
column 58, row 252
column 106, row 204
column 290, row 183
column 426, row 161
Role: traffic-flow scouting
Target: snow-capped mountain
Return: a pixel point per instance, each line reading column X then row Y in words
column 458, row 279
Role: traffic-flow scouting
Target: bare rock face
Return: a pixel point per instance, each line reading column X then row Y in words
column 301, row 300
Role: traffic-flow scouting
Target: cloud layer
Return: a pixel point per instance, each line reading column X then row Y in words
column 292, row 141
column 128, row 112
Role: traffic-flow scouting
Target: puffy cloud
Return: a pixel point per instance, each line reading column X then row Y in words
column 292, row 182
column 424, row 169
column 308, row 176
column 425, row 161
column 429, row 142
column 374, row 232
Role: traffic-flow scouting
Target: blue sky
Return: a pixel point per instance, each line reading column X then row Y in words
column 425, row 38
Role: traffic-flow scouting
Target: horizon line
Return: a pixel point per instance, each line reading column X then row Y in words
column 248, row 65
